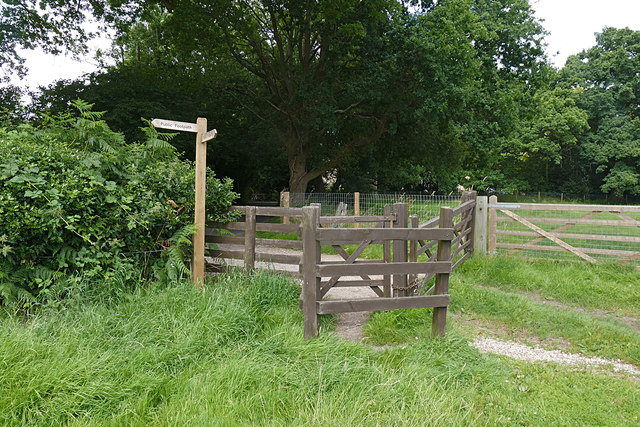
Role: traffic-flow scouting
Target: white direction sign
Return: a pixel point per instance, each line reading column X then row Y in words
column 209, row 135
column 173, row 125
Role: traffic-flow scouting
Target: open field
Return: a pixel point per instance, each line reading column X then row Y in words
column 234, row 354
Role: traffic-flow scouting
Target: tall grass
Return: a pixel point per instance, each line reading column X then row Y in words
column 234, row 355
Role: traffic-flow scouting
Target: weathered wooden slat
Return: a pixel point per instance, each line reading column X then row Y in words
column 431, row 223
column 229, row 240
column 227, row 253
column 460, row 248
column 279, row 258
column 348, row 259
column 594, row 251
column 461, row 236
column 382, row 304
column 600, row 237
column 233, row 225
column 329, row 236
column 549, row 236
column 463, row 224
column 426, row 247
column 279, row 243
column 554, row 232
column 355, row 283
column 278, row 228
column 353, row 219
column 431, row 289
column 567, row 207
column 603, row 222
column 624, row 217
column 259, row 256
column 324, row 270
column 464, row 207
column 357, row 262
column 460, row 261
column 278, row 211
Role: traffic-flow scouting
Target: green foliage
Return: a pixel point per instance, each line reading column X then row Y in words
column 606, row 79
column 77, row 202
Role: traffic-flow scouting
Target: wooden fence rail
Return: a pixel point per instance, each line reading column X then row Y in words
column 581, row 230
column 242, row 242
column 453, row 242
column 398, row 279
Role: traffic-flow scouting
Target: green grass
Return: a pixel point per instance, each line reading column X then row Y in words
column 234, row 355
column 576, row 304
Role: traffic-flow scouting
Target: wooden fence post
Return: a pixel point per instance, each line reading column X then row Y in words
column 439, row 321
column 200, row 199
column 386, row 251
column 467, row 196
column 480, row 227
column 401, row 212
column 493, row 225
column 284, row 203
column 413, row 246
column 250, row 238
column 311, row 258
column 356, row 207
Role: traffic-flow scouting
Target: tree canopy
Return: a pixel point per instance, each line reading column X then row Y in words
column 606, row 79
column 376, row 95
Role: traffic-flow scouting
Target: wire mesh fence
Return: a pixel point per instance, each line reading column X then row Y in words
column 425, row 206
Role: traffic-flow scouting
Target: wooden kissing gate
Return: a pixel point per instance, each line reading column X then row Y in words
column 412, row 254
column 411, row 245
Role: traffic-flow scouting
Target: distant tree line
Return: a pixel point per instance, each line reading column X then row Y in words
column 379, row 95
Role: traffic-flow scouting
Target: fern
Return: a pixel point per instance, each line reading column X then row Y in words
column 157, row 143
column 175, row 267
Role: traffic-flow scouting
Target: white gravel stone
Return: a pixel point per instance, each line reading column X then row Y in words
column 537, row 354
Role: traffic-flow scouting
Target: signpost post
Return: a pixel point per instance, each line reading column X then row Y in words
column 202, row 136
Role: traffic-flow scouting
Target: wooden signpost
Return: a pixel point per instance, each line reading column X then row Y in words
column 202, row 136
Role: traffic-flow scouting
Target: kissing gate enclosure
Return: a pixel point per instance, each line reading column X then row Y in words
column 411, row 255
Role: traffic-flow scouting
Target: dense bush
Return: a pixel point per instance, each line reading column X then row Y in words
column 77, row 203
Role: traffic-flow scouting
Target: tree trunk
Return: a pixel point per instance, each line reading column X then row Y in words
column 298, row 176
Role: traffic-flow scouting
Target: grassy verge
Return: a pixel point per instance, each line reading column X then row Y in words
column 578, row 307
column 234, row 354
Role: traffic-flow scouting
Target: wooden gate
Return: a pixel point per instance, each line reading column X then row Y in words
column 582, row 230
column 320, row 276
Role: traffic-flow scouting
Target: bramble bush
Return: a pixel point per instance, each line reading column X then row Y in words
column 79, row 204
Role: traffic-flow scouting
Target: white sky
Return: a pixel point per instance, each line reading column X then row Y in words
column 571, row 24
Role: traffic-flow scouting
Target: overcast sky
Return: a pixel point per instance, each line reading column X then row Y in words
column 571, row 24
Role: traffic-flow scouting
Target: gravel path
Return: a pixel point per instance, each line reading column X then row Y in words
column 537, row 354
